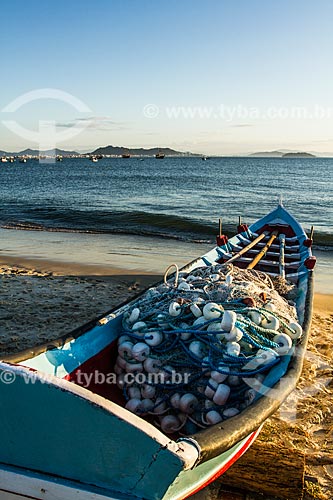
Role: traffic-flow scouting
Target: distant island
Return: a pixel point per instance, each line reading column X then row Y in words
column 283, row 154
column 268, row 154
column 118, row 151
column 99, row 152
column 298, row 155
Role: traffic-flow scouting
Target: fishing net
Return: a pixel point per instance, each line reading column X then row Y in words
column 196, row 349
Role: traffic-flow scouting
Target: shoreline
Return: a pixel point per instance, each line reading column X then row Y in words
column 59, row 268
column 140, row 271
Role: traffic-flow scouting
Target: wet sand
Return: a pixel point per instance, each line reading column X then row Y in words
column 41, row 302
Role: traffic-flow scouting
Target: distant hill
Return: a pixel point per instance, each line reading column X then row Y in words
column 283, row 154
column 107, row 150
column 117, row 150
column 36, row 152
column 298, row 155
column 268, row 154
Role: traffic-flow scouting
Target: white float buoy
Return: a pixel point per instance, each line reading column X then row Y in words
column 123, row 338
column 153, row 338
column 221, row 394
column 213, row 417
column 270, row 323
column 284, row 343
column 134, row 405
column 134, row 315
column 148, row 391
column 175, row 309
column 185, row 335
column 188, row 403
column 214, row 327
column 235, row 335
column 140, row 351
column 184, row 286
column 170, row 424
column 197, row 348
column 134, row 367
column 228, row 320
column 211, row 388
column 255, row 316
column 174, row 400
column 125, row 349
column 121, row 362
column 147, row 405
column 297, row 331
column 160, row 406
column 233, row 348
column 195, row 310
column 199, row 321
column 138, row 327
column 269, row 306
column 230, row 412
column 134, row 393
column 211, row 311
column 220, row 377
column 152, row 365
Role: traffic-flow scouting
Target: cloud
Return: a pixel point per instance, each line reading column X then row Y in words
column 94, row 122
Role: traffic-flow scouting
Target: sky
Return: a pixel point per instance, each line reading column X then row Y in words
column 211, row 77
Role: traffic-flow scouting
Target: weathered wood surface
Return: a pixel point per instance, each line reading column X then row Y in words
column 269, row 470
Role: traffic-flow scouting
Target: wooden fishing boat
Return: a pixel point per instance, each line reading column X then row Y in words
column 60, row 439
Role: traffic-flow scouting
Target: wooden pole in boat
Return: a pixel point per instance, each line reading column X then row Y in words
column 240, row 220
column 245, row 249
column 261, row 254
column 311, row 232
column 282, row 271
column 220, row 228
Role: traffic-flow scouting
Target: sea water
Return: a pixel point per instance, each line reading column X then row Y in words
column 145, row 213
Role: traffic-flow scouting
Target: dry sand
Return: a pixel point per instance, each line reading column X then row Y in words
column 38, row 306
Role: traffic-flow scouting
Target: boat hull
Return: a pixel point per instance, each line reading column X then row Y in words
column 96, row 443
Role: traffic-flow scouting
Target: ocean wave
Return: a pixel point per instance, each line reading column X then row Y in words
column 131, row 223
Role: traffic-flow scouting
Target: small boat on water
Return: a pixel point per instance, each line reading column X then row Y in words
column 70, row 431
column 94, row 159
column 22, row 160
column 4, row 159
column 159, row 155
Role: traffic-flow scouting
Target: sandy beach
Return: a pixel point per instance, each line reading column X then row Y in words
column 41, row 301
